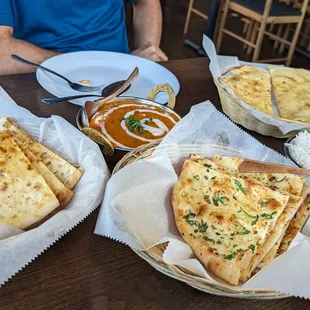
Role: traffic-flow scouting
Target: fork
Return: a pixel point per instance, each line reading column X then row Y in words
column 75, row 86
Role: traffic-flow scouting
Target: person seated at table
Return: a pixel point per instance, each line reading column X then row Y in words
column 39, row 29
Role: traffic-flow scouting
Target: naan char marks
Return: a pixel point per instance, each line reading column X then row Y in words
column 251, row 85
column 281, row 225
column 25, row 198
column 292, row 92
column 214, row 217
column 65, row 172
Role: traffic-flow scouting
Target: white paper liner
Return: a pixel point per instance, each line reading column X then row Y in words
column 221, row 64
column 22, row 247
column 137, row 208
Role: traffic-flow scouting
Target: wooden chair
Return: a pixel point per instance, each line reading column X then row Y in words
column 304, row 35
column 247, row 28
column 191, row 10
column 263, row 13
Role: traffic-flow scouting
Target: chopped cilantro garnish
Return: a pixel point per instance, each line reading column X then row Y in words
column 215, row 202
column 202, row 226
column 308, row 208
column 206, row 177
column 240, row 187
column 133, row 123
column 252, row 247
column 220, row 199
column 208, row 239
column 268, row 216
column 188, row 218
column 207, row 198
column 207, row 166
column 213, row 178
column 196, row 177
column 275, row 179
column 233, row 254
column 245, row 231
column 217, row 233
column 219, row 242
column 248, row 214
column 255, row 221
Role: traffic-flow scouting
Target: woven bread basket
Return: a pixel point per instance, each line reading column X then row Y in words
column 237, row 113
column 154, row 256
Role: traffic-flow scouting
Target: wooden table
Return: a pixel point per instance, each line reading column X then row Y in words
column 85, row 271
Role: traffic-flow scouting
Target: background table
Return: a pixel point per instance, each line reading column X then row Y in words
column 85, row 271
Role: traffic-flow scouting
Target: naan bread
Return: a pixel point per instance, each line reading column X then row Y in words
column 294, row 228
column 214, row 216
column 270, row 255
column 292, row 92
column 65, row 172
column 251, row 85
column 282, row 223
column 290, row 183
column 62, row 193
column 25, row 198
column 273, row 252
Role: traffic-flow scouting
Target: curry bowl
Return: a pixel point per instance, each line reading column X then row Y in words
column 125, row 123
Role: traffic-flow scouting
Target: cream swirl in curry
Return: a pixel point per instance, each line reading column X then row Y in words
column 129, row 124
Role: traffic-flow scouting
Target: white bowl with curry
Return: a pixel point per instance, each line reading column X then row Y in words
column 125, row 123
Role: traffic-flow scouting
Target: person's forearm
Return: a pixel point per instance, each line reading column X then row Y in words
column 147, row 23
column 24, row 49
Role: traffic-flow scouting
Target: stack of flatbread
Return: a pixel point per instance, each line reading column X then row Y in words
column 254, row 86
column 35, row 183
column 236, row 223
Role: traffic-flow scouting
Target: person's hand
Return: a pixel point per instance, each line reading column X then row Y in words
column 151, row 52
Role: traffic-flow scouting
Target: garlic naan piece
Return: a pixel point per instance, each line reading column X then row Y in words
column 25, row 197
column 292, row 91
column 224, row 219
column 251, row 85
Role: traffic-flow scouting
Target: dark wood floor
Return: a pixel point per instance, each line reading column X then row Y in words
column 174, row 12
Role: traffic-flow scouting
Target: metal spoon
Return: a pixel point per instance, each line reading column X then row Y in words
column 75, row 86
column 91, row 107
column 108, row 90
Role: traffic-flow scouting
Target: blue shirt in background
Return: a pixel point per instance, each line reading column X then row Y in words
column 68, row 25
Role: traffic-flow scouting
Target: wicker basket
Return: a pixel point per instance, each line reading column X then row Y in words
column 154, row 255
column 237, row 113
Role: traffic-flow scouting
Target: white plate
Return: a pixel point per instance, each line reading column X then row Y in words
column 103, row 68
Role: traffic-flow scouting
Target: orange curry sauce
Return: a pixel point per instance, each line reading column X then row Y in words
column 129, row 124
